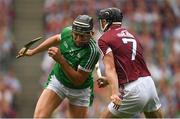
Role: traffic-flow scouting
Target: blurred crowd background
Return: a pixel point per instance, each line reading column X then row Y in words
column 10, row 86
column 156, row 23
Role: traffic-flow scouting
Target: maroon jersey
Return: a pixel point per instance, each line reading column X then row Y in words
column 127, row 51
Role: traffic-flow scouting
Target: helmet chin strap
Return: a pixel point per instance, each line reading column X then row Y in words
column 101, row 28
column 104, row 29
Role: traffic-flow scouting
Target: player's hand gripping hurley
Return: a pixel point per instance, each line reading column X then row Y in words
column 27, row 46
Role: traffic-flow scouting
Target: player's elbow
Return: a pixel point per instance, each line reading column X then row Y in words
column 57, row 38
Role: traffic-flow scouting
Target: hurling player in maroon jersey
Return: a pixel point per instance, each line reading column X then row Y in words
column 133, row 90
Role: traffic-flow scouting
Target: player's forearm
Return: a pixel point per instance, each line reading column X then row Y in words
column 72, row 74
column 52, row 41
column 114, row 86
column 113, row 80
column 110, row 71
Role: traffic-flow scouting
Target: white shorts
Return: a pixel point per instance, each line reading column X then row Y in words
column 139, row 96
column 78, row 97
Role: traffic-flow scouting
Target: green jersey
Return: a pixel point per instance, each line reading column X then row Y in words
column 84, row 58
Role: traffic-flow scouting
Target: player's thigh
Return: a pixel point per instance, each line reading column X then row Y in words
column 153, row 105
column 79, row 101
column 80, row 97
column 154, row 114
column 77, row 111
column 47, row 103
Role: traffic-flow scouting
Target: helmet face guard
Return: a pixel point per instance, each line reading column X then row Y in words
column 111, row 15
column 106, row 26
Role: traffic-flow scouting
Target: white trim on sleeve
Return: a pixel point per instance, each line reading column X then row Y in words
column 108, row 50
column 86, row 70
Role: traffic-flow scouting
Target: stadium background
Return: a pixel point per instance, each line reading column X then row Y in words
column 155, row 22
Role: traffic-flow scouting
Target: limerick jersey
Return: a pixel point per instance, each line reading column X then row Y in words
column 84, row 58
column 127, row 51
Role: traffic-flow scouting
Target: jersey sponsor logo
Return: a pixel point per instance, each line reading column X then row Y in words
column 71, row 52
column 79, row 55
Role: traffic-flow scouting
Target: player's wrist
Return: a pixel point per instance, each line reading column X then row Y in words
column 115, row 92
column 61, row 59
column 32, row 52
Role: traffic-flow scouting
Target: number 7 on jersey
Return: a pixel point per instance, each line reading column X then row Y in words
column 134, row 47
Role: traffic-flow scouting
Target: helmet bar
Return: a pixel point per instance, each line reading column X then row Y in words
column 81, row 24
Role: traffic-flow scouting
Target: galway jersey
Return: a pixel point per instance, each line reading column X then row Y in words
column 127, row 52
column 84, row 58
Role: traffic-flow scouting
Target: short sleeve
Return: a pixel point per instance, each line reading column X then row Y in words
column 104, row 47
column 66, row 33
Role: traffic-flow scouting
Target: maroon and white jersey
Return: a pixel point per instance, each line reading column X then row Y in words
column 127, row 51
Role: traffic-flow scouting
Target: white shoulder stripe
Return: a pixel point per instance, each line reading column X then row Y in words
column 94, row 53
column 92, row 57
column 86, row 70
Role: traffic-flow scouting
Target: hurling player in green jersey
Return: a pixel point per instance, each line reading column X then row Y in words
column 71, row 76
